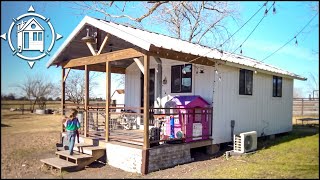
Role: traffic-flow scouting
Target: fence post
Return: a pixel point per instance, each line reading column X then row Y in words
column 302, row 106
column 22, row 109
column 97, row 128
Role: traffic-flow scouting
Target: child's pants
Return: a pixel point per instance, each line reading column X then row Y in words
column 71, row 139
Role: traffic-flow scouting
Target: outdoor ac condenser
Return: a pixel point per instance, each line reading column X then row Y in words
column 245, row 142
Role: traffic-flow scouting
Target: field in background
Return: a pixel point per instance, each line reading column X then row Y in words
column 25, row 139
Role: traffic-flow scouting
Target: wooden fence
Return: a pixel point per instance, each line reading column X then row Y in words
column 305, row 106
column 301, row 106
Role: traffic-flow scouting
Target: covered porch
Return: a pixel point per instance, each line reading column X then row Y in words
column 123, row 127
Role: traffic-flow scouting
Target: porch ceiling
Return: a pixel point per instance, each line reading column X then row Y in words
column 77, row 49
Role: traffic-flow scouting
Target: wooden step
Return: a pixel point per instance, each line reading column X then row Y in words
column 82, row 144
column 76, row 155
column 88, row 149
column 59, row 163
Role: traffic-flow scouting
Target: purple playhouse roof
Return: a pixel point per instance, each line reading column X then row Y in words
column 185, row 100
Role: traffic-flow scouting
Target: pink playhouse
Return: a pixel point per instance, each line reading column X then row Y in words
column 188, row 118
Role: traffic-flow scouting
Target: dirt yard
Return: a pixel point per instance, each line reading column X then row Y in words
column 25, row 139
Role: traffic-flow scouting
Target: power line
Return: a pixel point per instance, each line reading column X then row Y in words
column 289, row 40
column 244, row 24
column 233, row 33
column 267, row 10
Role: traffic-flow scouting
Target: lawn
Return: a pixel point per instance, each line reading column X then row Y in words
column 295, row 155
column 25, row 139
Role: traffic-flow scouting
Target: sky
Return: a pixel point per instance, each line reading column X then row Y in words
column 273, row 32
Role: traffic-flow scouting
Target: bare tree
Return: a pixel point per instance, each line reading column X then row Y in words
column 314, row 6
column 37, row 90
column 75, row 86
column 192, row 21
column 297, row 93
column 313, row 85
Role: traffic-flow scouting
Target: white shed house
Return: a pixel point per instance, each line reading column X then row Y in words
column 255, row 96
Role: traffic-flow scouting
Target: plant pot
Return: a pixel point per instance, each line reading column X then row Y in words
column 40, row 111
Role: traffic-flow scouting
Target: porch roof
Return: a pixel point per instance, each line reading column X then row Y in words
column 148, row 40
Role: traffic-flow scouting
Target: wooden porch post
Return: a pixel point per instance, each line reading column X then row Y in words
column 146, row 144
column 63, row 85
column 86, row 100
column 108, row 77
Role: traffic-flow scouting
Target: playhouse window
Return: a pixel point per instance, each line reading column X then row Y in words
column 245, row 82
column 277, row 86
column 34, row 36
column 181, row 82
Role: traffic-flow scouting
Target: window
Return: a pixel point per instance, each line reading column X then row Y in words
column 39, row 36
column 277, row 86
column 34, row 36
column 181, row 81
column 245, row 82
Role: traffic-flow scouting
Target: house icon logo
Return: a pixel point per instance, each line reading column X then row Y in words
column 31, row 36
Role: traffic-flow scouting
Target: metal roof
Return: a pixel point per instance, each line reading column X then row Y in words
column 144, row 39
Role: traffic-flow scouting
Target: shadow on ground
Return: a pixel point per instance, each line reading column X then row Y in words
column 4, row 125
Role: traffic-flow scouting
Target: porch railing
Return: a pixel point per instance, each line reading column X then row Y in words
column 126, row 123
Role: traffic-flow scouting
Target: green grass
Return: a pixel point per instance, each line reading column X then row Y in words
column 295, row 155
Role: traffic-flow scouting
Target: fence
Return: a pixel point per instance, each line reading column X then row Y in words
column 305, row 106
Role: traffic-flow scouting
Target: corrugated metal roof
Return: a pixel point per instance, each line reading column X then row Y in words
column 145, row 39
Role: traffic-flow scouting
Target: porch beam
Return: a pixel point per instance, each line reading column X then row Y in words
column 108, row 86
column 140, row 65
column 102, row 58
column 102, row 68
column 146, row 60
column 103, row 44
column 179, row 56
column 66, row 75
column 86, row 99
column 93, row 52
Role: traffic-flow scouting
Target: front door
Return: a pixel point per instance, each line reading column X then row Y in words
column 151, row 88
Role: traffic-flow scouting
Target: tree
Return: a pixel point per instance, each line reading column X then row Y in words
column 75, row 86
column 313, row 86
column 297, row 93
column 192, row 21
column 10, row 96
column 37, row 90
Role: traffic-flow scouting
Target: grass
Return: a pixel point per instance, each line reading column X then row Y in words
column 28, row 123
column 295, row 155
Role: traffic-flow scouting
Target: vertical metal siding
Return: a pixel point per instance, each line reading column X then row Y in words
column 260, row 112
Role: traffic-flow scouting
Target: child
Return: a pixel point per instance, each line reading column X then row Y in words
column 72, row 125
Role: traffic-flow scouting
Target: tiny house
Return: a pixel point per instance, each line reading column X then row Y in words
column 209, row 95
column 30, row 35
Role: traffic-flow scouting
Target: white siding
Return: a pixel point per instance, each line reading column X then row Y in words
column 202, row 83
column 260, row 112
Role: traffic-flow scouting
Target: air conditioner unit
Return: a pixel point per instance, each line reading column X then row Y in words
column 245, row 142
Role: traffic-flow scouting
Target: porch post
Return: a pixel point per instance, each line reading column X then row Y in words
column 63, row 85
column 108, row 77
column 146, row 144
column 86, row 99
